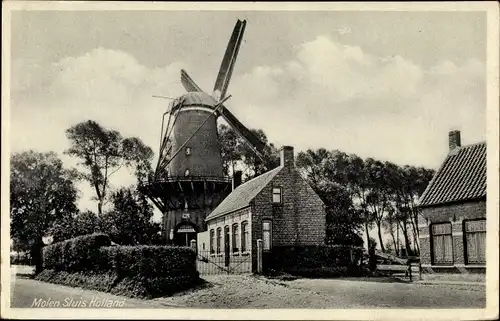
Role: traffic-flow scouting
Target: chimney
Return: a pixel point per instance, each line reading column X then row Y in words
column 237, row 179
column 454, row 139
column 286, row 156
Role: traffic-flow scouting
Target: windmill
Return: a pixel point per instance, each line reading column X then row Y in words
column 188, row 182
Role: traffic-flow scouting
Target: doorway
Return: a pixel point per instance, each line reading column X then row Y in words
column 185, row 233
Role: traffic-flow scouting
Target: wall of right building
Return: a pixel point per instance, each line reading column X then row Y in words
column 456, row 217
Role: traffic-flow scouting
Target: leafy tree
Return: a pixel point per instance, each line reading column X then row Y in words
column 103, row 152
column 235, row 151
column 75, row 225
column 129, row 222
column 343, row 222
column 229, row 148
column 41, row 192
column 326, row 172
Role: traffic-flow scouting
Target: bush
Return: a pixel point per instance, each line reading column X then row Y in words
column 323, row 260
column 77, row 254
column 136, row 271
column 150, row 261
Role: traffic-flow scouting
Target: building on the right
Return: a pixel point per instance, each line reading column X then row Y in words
column 452, row 220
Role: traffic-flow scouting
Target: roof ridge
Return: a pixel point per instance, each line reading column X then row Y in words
column 473, row 144
column 459, row 176
column 256, row 177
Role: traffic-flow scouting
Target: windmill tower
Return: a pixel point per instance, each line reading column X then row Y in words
column 188, row 182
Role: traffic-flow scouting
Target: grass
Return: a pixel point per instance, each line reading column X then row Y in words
column 129, row 287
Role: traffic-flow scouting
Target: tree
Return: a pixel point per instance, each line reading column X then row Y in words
column 75, row 225
column 103, row 152
column 343, row 222
column 235, row 151
column 41, row 192
column 129, row 222
column 229, row 148
column 358, row 185
column 326, row 173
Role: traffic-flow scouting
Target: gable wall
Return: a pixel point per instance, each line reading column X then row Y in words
column 300, row 220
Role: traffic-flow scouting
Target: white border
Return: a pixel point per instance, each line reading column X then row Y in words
column 491, row 312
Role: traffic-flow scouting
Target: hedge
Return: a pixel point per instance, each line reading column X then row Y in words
column 137, row 271
column 77, row 254
column 320, row 261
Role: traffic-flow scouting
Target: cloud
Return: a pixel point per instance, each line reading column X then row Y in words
column 108, row 86
column 341, row 97
column 327, row 94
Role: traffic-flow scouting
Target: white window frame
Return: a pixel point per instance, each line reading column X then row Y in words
column 244, row 236
column 235, row 231
column 267, row 246
column 277, row 191
column 219, row 240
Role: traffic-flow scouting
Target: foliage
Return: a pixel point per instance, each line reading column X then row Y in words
column 83, row 223
column 129, row 222
column 236, row 152
column 365, row 192
column 103, row 152
column 41, row 192
column 323, row 260
column 81, row 253
column 136, row 271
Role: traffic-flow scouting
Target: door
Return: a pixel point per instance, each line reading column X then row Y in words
column 226, row 246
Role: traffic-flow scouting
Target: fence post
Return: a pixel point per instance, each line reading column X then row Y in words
column 259, row 256
column 193, row 246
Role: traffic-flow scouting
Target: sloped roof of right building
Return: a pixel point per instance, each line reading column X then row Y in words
column 461, row 177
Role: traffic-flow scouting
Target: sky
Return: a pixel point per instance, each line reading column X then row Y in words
column 387, row 85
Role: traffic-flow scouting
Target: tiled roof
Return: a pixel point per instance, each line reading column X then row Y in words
column 244, row 194
column 461, row 177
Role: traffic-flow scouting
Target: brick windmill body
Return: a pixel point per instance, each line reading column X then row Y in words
column 189, row 182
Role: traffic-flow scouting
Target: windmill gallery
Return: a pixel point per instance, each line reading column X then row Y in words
column 198, row 201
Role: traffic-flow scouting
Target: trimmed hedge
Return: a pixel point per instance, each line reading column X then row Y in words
column 77, row 254
column 135, row 271
column 316, row 261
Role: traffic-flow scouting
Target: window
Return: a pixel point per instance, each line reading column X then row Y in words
column 212, row 241
column 276, row 195
column 475, row 237
column 235, row 238
column 442, row 243
column 188, row 151
column 219, row 238
column 244, row 236
column 186, row 173
column 266, row 235
column 226, row 238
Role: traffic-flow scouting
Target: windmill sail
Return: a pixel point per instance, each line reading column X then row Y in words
column 250, row 138
column 227, row 65
column 220, row 88
column 188, row 83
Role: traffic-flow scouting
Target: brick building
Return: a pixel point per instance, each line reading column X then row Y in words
column 452, row 224
column 278, row 207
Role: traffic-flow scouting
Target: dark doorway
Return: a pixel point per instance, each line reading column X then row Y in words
column 185, row 233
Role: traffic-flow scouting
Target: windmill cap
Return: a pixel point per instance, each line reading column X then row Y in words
column 198, row 98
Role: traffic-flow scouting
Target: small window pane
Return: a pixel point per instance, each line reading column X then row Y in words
column 276, row 195
column 266, row 235
column 244, row 236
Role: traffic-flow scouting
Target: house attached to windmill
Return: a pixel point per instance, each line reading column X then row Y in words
column 452, row 224
column 278, row 207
